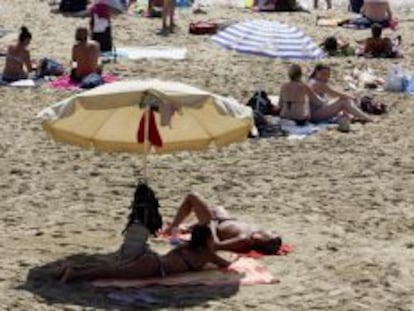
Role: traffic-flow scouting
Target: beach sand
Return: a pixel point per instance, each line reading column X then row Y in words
column 345, row 201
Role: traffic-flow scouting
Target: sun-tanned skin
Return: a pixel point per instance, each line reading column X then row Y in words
column 377, row 11
column 229, row 233
column 18, row 62
column 185, row 258
column 85, row 53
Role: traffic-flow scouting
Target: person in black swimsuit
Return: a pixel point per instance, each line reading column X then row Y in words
column 192, row 256
column 229, row 233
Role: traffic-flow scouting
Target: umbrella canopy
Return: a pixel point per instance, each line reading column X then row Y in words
column 107, row 118
column 268, row 38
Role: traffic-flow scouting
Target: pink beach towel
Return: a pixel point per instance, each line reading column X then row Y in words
column 244, row 271
column 65, row 83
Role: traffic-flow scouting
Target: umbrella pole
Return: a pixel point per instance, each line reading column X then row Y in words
column 146, row 134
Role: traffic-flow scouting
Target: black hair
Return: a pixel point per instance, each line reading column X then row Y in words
column 144, row 208
column 200, row 236
column 318, row 68
column 376, row 30
column 24, row 34
column 268, row 247
column 330, row 45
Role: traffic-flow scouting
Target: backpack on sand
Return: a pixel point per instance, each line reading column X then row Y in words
column 202, row 28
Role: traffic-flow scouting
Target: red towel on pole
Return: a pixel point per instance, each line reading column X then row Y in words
column 153, row 133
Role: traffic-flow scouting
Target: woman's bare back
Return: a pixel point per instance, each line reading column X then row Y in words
column 293, row 100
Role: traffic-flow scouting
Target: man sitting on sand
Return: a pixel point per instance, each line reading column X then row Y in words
column 377, row 11
column 85, row 55
column 229, row 233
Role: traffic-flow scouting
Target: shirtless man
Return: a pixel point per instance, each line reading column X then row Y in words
column 229, row 234
column 377, row 46
column 377, row 11
column 18, row 62
column 85, row 54
column 295, row 97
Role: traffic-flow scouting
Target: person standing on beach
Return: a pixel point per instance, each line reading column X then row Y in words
column 168, row 12
column 100, row 25
column 328, row 4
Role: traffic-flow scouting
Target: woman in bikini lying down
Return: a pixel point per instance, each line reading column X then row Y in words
column 192, row 256
column 229, row 233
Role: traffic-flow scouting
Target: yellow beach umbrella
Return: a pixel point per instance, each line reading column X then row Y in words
column 107, row 118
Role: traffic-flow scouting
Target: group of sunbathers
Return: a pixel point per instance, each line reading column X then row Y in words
column 215, row 230
column 315, row 100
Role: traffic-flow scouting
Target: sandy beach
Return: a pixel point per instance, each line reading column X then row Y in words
column 344, row 201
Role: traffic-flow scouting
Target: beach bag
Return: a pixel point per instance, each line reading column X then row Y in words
column 91, row 80
column 261, row 103
column 394, row 81
column 202, row 28
column 72, row 6
column 369, row 105
column 50, row 67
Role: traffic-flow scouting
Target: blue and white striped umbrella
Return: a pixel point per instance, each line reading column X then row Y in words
column 269, row 38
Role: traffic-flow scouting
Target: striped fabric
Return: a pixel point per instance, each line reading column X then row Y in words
column 270, row 39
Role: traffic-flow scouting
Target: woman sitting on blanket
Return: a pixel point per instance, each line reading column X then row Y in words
column 229, row 233
column 295, row 97
column 321, row 109
column 192, row 256
column 85, row 56
column 18, row 61
column 377, row 11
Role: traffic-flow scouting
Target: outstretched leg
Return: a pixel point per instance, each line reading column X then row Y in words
column 193, row 202
column 327, row 112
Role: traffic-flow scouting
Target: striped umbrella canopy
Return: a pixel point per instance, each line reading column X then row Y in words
column 270, row 39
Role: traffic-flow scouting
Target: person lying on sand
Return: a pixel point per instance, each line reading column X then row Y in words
column 322, row 109
column 189, row 257
column 337, row 47
column 85, row 56
column 18, row 62
column 295, row 96
column 229, row 233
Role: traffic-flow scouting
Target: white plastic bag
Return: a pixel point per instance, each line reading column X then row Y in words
column 394, row 80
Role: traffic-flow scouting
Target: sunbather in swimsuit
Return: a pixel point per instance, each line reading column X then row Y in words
column 17, row 58
column 186, row 258
column 229, row 233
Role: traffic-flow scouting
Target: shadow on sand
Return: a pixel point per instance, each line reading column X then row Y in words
column 42, row 282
